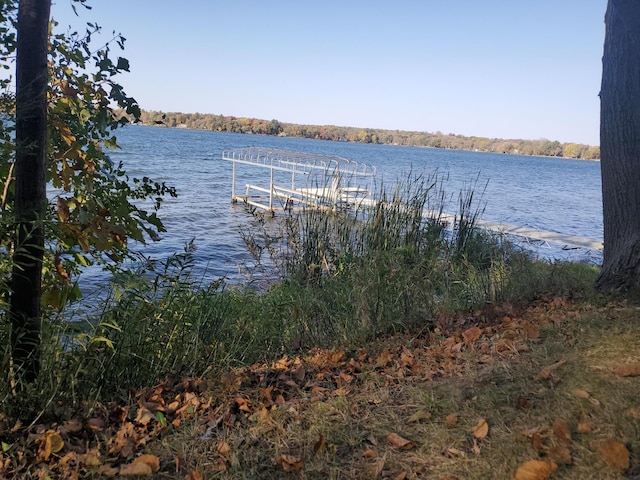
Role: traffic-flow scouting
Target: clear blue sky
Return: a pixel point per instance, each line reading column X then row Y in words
column 492, row 68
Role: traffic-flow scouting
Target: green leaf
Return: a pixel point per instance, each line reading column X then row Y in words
column 123, row 64
column 162, row 420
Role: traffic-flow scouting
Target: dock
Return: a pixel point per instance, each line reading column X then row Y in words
column 320, row 181
column 296, row 180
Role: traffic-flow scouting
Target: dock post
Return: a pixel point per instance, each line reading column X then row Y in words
column 271, row 193
column 233, row 183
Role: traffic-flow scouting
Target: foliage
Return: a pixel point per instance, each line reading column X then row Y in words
column 95, row 207
column 221, row 123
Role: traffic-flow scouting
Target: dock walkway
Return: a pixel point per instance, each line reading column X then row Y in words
column 323, row 181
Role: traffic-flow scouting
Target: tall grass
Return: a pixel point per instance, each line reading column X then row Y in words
column 345, row 278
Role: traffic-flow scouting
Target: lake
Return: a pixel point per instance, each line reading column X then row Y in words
column 554, row 194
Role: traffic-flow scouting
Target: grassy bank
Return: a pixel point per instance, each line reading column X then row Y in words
column 379, row 321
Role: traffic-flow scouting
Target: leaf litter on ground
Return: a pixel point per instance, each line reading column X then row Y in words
column 451, row 404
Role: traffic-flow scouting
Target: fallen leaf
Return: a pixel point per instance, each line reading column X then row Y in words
column 580, row 393
column 401, row 476
column 472, row 334
column 53, row 443
column 71, row 427
column 561, row 431
column 627, row 370
column 320, row 445
column 535, row 470
column 455, row 452
column 613, row 452
column 451, row 419
column 524, row 404
column 380, row 465
column 91, row 458
column 635, row 412
column 560, row 454
column 144, row 416
column 369, row 453
column 583, row 427
column 223, row 447
column 546, row 372
column 531, row 331
column 398, row 442
column 419, row 416
column 289, row 463
column 195, row 475
column 475, row 448
column 298, row 373
column 481, row 429
column 108, row 470
column 135, row 469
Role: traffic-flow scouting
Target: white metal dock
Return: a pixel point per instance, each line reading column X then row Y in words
column 295, row 180
column 311, row 180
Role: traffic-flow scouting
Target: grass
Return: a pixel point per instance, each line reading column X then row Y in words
column 381, row 321
column 344, row 434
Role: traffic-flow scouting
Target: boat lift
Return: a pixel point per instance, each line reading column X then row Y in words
column 319, row 181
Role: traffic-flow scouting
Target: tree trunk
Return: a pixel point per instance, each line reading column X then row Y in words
column 30, row 185
column 620, row 146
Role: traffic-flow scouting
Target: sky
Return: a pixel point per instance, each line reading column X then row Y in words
column 493, row 68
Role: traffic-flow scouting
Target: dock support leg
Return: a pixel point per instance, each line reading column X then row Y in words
column 233, row 182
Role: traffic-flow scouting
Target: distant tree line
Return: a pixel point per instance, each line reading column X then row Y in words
column 222, row 123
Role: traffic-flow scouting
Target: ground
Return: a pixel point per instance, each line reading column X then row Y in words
column 550, row 391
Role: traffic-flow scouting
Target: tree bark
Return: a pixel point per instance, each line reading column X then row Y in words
column 620, row 146
column 30, row 186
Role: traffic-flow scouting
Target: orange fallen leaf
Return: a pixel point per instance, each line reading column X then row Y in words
column 135, row 469
column 580, row 393
column 627, row 370
column 546, row 372
column 195, row 475
column 455, row 452
column 53, row 443
column 223, row 447
column 91, row 458
column 634, row 412
column 481, row 430
column 144, row 416
column 535, row 470
column 472, row 334
column 289, row 463
column 108, row 470
column 398, row 442
column 451, row 419
column 560, row 454
column 531, row 331
column 584, row 427
column 613, row 452
column 561, row 431
column 369, row 453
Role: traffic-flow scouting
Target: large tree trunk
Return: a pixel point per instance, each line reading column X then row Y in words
column 620, row 146
column 30, row 186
